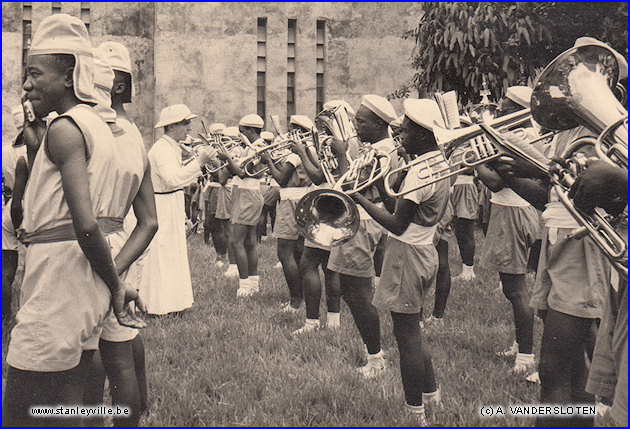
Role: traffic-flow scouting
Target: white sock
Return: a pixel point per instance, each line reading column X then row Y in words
column 311, row 323
column 377, row 280
column 378, row 355
column 255, row 282
column 332, row 320
column 233, row 267
column 243, row 283
column 415, row 409
column 468, row 268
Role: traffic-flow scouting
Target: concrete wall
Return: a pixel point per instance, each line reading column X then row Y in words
column 204, row 54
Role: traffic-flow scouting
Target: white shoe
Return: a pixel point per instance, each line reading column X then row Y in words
column 278, row 266
column 533, row 378
column 524, row 362
column 310, row 325
column 434, row 322
column 418, row 413
column 375, row 366
column 232, row 271
column 286, row 307
column 467, row 273
column 245, row 288
column 512, row 351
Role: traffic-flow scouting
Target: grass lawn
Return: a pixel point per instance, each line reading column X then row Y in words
column 234, row 362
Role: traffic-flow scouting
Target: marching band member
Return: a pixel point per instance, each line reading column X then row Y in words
column 69, row 206
column 411, row 260
column 210, row 225
column 606, row 186
column 354, row 260
column 166, row 286
column 271, row 195
column 512, row 229
column 315, row 256
column 293, row 183
column 247, row 203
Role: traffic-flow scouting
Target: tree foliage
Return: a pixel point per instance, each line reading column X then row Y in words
column 509, row 43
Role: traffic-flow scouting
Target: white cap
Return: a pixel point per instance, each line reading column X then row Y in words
column 335, row 103
column 231, row 132
column 521, row 95
column 18, row 116
column 302, row 121
column 267, row 136
column 117, row 56
column 216, row 128
column 174, row 114
column 424, row 112
column 623, row 64
column 65, row 34
column 252, row 120
column 380, row 106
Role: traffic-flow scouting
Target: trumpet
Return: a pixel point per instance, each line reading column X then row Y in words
column 219, row 142
column 278, row 151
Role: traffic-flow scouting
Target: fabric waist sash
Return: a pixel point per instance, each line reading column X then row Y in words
column 168, row 192
column 109, row 225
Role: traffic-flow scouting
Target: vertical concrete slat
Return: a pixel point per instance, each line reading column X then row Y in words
column 305, row 80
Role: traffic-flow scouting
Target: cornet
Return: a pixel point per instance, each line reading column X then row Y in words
column 278, row 151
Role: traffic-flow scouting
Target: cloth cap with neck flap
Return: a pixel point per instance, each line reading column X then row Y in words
column 117, row 56
column 65, row 34
column 103, row 82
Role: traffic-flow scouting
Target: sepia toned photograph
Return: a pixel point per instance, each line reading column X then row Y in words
column 348, row 214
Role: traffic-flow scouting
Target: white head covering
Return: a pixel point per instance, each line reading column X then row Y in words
column 174, row 114
column 302, row 121
column 232, row 132
column 18, row 116
column 65, row 34
column 103, row 82
column 623, row 64
column 117, row 56
column 252, row 120
column 521, row 95
column 424, row 112
column 335, row 103
column 380, row 106
column 216, row 128
column 267, row 136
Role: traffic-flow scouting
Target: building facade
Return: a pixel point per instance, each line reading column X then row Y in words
column 226, row 59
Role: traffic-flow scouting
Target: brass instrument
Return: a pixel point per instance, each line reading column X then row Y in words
column 329, row 217
column 576, row 88
column 334, row 122
column 464, row 148
column 219, row 142
column 278, row 151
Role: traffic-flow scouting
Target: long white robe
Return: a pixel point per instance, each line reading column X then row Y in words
column 166, row 285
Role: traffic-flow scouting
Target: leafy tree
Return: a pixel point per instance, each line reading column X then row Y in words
column 458, row 43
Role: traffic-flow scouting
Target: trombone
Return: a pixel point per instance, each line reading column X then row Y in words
column 464, row 148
